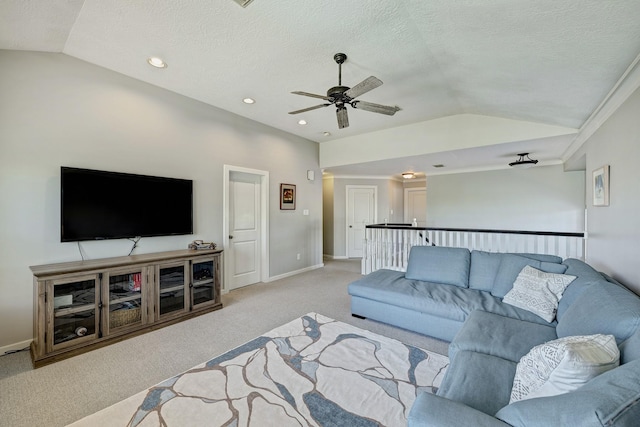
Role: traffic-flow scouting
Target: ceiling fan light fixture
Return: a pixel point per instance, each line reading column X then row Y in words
column 523, row 162
column 408, row 175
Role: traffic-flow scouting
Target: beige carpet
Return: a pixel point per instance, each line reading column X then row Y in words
column 66, row 391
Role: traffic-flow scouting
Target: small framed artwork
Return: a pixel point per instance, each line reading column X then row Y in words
column 287, row 197
column 601, row 186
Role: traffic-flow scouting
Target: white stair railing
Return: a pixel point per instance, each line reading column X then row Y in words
column 388, row 246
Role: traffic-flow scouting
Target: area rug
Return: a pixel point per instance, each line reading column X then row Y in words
column 313, row 371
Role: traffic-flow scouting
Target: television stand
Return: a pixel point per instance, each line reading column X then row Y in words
column 80, row 306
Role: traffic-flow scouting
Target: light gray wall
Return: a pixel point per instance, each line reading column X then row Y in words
column 59, row 111
column 543, row 198
column 614, row 231
column 327, row 216
column 389, row 199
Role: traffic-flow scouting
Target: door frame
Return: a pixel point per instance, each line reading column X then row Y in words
column 407, row 190
column 264, row 220
column 346, row 222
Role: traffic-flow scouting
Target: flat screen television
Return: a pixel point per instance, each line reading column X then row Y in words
column 99, row 205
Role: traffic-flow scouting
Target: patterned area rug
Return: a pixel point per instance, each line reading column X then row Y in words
column 313, row 371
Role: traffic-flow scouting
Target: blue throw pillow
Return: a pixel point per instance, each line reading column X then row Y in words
column 511, row 265
column 439, row 264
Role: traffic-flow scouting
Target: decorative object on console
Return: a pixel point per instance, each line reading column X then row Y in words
column 287, row 197
column 200, row 245
column 601, row 186
column 563, row 365
column 522, row 162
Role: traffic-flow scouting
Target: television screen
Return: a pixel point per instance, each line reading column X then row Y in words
column 109, row 205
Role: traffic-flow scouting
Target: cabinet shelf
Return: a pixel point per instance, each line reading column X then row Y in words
column 59, row 312
column 202, row 282
column 84, row 305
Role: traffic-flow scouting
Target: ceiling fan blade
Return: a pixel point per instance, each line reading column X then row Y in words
column 312, row 95
column 375, row 108
column 309, row 109
column 343, row 118
column 363, row 87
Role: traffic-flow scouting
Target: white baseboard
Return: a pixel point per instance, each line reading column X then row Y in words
column 336, row 256
column 293, row 273
column 15, row 347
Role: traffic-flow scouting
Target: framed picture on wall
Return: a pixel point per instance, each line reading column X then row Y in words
column 601, row 186
column 287, row 197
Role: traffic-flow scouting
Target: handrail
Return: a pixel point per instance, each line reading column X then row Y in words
column 477, row 230
column 388, row 245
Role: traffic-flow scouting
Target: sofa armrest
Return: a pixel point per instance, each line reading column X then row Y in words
column 430, row 410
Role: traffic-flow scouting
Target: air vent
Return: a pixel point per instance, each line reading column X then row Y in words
column 438, row 166
column 243, row 3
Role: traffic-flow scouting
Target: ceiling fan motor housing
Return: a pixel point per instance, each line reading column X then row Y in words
column 337, row 93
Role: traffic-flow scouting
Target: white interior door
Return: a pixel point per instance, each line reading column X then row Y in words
column 415, row 206
column 361, row 210
column 244, row 230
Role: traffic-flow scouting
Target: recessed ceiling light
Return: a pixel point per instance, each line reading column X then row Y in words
column 249, row 101
column 157, row 62
column 408, row 175
column 326, row 133
column 302, row 122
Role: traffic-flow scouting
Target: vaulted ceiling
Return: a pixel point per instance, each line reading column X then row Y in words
column 544, row 62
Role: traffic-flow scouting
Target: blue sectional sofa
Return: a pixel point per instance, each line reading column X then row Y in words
column 458, row 296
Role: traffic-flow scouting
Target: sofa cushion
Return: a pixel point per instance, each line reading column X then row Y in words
column 563, row 365
column 630, row 348
column 449, row 302
column 429, row 410
column 605, row 308
column 554, row 259
column 485, row 265
column 439, row 264
column 538, row 292
column 500, row 336
column 586, row 276
column 478, row 380
column 511, row 265
column 610, row 399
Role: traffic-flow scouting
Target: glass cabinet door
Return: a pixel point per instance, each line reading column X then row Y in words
column 172, row 282
column 203, row 276
column 123, row 303
column 72, row 311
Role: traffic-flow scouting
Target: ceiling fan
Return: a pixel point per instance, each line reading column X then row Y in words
column 341, row 96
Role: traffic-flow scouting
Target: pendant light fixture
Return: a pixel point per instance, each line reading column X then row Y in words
column 523, row 162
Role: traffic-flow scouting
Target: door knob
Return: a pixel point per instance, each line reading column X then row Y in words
column 230, row 237
column 351, row 226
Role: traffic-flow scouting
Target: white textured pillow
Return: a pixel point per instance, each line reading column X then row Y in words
column 538, row 292
column 563, row 365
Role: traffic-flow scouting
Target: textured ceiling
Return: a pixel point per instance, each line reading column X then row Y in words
column 545, row 61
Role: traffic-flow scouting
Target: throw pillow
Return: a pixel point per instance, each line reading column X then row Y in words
column 563, row 365
column 538, row 292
